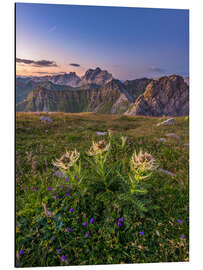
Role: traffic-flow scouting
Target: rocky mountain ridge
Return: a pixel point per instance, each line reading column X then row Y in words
column 164, row 96
column 100, row 92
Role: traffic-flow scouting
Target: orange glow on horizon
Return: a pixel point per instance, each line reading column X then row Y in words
column 26, row 70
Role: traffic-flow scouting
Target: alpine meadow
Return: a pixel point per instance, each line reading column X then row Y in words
column 102, row 135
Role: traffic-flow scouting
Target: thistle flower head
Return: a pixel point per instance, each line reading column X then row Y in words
column 98, row 147
column 67, row 160
column 143, row 161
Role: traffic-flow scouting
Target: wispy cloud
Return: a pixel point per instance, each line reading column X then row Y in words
column 40, row 63
column 52, row 28
column 74, row 65
column 50, row 73
column 156, row 69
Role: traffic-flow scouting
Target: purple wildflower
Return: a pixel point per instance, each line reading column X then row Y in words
column 69, row 229
column 182, row 236
column 71, row 210
column 62, row 187
column 179, row 221
column 25, row 187
column 86, row 234
column 59, row 250
column 119, row 224
column 56, row 197
column 67, row 179
column 49, row 188
column 67, row 194
column 91, row 220
column 21, row 252
column 121, row 219
column 141, row 233
column 34, row 189
column 63, row 258
column 85, row 223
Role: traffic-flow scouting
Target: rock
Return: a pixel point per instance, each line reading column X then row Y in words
column 46, row 118
column 99, row 133
column 164, row 96
column 166, row 172
column 161, row 140
column 59, row 174
column 167, row 122
column 173, row 135
column 186, row 144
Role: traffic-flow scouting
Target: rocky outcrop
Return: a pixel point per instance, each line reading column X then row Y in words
column 167, row 96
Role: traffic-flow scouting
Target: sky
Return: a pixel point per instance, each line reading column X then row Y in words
column 128, row 42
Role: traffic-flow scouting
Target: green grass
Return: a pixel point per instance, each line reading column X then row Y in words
column 167, row 199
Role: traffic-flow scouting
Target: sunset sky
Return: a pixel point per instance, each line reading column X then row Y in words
column 128, row 42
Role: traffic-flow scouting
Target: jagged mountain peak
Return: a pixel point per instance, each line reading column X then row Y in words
column 97, row 76
column 168, row 95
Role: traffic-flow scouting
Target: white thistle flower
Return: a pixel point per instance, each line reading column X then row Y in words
column 143, row 161
column 67, row 160
column 98, row 147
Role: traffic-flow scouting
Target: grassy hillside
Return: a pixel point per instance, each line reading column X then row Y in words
column 154, row 225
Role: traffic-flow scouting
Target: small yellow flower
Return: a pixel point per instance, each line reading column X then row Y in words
column 67, row 160
column 143, row 161
column 98, row 147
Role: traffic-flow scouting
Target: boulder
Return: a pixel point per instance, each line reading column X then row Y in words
column 99, row 133
column 46, row 119
column 173, row 135
column 166, row 123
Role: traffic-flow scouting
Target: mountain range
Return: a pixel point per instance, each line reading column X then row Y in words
column 97, row 91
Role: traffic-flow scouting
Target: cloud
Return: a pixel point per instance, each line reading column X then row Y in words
column 40, row 63
column 51, row 73
column 156, row 69
column 74, row 65
column 52, row 28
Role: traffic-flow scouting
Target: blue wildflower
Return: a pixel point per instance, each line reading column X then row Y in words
column 119, row 224
column 85, row 223
column 63, row 258
column 21, row 252
column 71, row 210
column 69, row 229
column 91, row 220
